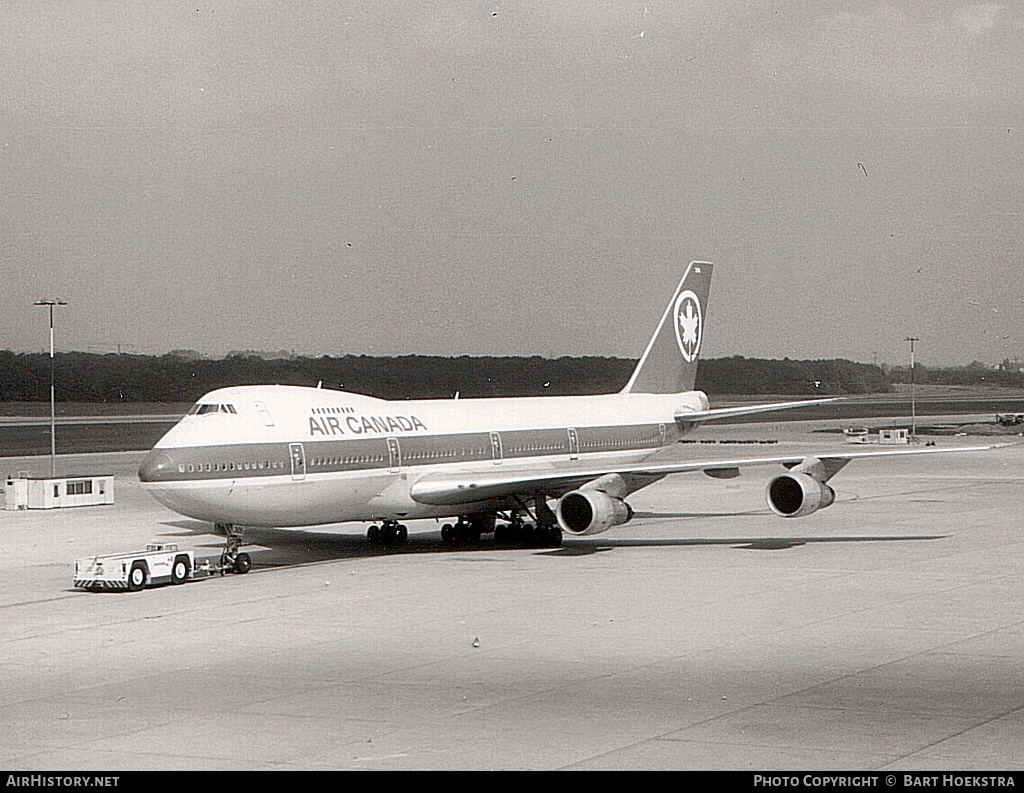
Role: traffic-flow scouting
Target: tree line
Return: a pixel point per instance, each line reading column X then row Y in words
column 90, row 377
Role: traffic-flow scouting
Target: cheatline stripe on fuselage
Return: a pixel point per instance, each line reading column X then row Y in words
column 238, row 461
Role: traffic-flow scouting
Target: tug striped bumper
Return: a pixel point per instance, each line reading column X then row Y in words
column 101, row 585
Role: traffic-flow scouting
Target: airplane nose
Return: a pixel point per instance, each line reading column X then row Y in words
column 157, row 467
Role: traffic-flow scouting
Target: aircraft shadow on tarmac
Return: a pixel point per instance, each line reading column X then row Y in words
column 296, row 547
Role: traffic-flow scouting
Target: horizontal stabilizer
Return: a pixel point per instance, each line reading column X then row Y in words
column 687, row 418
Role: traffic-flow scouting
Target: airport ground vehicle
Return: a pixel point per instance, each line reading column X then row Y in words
column 160, row 563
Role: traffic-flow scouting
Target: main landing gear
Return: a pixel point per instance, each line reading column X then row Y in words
column 468, row 529
column 390, row 532
column 517, row 532
column 543, row 532
column 524, row 534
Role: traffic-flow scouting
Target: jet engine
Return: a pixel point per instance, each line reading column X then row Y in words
column 797, row 494
column 591, row 511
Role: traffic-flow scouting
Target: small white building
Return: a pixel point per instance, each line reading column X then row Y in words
column 894, row 435
column 69, row 491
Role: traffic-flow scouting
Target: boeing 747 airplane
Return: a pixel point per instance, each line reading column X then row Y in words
column 525, row 467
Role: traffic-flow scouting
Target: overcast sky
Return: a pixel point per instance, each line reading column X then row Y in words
column 513, row 177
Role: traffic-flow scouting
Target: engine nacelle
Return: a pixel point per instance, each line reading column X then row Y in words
column 589, row 511
column 795, row 495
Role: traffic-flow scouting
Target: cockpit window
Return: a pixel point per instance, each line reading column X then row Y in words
column 200, row 409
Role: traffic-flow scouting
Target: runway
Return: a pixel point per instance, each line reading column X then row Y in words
column 885, row 632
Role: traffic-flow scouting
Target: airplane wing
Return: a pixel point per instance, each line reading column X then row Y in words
column 689, row 418
column 453, row 489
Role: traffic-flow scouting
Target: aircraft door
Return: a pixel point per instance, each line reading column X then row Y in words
column 261, row 408
column 574, row 444
column 394, row 455
column 496, row 448
column 298, row 457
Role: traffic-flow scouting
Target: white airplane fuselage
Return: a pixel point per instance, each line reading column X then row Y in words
column 290, row 456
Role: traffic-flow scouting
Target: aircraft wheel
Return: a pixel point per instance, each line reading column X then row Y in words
column 527, row 534
column 243, row 563
column 502, row 534
column 387, row 535
column 179, row 570
column 373, row 535
column 554, row 537
column 402, row 534
column 137, row 577
column 447, row 533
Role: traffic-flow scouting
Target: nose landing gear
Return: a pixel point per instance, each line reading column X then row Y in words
column 231, row 559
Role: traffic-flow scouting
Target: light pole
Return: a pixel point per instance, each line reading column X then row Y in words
column 913, row 406
column 53, row 421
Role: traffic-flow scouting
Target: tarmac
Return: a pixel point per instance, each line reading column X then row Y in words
column 885, row 632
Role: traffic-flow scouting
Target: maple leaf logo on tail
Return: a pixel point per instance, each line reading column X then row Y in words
column 669, row 362
column 689, row 325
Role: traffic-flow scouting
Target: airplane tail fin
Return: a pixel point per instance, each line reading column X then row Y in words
column 669, row 364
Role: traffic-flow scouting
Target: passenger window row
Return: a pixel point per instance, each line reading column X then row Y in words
column 352, row 459
column 257, row 465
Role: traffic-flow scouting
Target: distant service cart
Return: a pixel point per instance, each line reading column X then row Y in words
column 856, row 434
column 160, row 563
